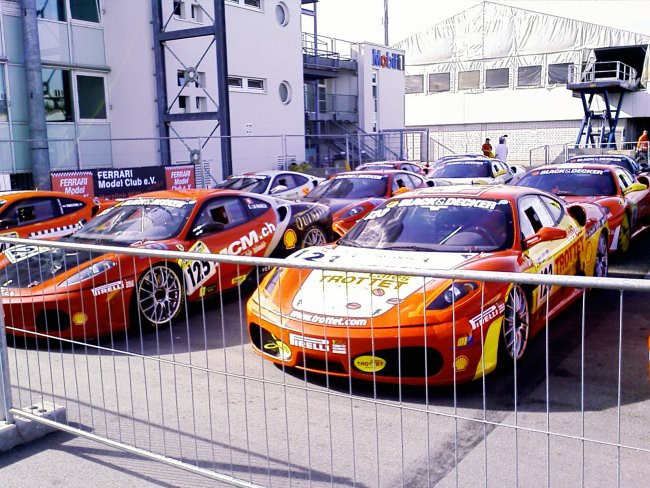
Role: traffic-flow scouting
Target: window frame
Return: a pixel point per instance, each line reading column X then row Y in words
column 548, row 74
column 243, row 4
column 72, row 86
column 493, row 71
column 477, row 87
column 75, row 89
column 411, row 77
column 244, row 87
column 429, row 90
column 539, row 81
column 74, row 21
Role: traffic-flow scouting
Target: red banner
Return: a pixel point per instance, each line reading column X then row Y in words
column 78, row 183
column 180, row 177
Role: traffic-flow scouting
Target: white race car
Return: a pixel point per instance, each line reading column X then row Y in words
column 475, row 171
column 282, row 184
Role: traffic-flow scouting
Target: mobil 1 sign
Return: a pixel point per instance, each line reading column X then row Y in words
column 120, row 183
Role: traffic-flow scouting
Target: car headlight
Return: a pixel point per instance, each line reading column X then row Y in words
column 89, row 272
column 356, row 210
column 273, row 280
column 452, row 295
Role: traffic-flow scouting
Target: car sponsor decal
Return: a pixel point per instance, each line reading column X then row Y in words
column 315, row 318
column 466, row 163
column 443, row 202
column 461, row 363
column 79, row 318
column 6, row 292
column 290, row 239
column 60, row 231
column 107, row 288
column 6, row 245
column 197, row 272
column 369, row 364
column 315, row 344
column 306, row 218
column 361, row 176
column 20, row 253
column 275, row 347
column 238, row 280
column 163, row 202
column 585, row 171
column 569, row 257
column 465, row 341
column 251, row 243
column 487, row 315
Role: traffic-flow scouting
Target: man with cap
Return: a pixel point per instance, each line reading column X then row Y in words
column 501, row 151
column 487, row 148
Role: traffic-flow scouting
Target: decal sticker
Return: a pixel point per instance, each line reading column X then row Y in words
column 375, row 280
column 586, row 171
column 6, row 292
column 465, row 341
column 461, row 363
column 109, row 287
column 238, row 280
column 275, row 347
column 21, row 253
column 315, row 318
column 487, row 315
column 250, row 244
column 369, row 364
column 361, row 176
column 306, row 218
column 314, row 344
column 180, row 247
column 163, row 202
column 290, row 239
column 544, row 291
column 60, row 231
column 80, row 318
column 6, row 245
column 196, row 272
column 437, row 202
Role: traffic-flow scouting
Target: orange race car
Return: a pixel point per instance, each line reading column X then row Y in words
column 627, row 199
column 80, row 293
column 415, row 330
column 45, row 214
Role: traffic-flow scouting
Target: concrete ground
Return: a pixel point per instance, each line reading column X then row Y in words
column 276, row 428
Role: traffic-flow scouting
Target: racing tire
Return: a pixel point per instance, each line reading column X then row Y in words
column 624, row 235
column 602, row 258
column 159, row 296
column 515, row 331
column 313, row 236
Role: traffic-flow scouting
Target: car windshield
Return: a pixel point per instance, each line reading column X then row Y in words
column 371, row 167
column 462, row 169
column 352, row 186
column 253, row 185
column 571, row 181
column 622, row 162
column 138, row 219
column 449, row 224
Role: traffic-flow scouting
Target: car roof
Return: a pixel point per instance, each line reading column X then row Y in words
column 193, row 194
column 11, row 195
column 505, row 192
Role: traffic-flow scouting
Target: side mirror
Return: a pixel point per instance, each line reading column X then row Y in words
column 279, row 189
column 545, row 234
column 8, row 223
column 635, row 187
column 208, row 228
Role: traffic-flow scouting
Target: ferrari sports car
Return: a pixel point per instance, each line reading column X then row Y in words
column 73, row 293
column 37, row 214
column 281, row 184
column 351, row 195
column 415, row 330
column 416, row 168
column 621, row 160
column 613, row 187
column 475, row 171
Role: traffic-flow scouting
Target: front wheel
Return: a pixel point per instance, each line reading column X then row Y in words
column 159, row 296
column 516, row 324
column 314, row 236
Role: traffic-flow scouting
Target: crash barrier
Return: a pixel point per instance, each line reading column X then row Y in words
column 199, row 397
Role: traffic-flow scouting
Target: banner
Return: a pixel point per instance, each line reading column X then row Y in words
column 180, row 177
column 80, row 183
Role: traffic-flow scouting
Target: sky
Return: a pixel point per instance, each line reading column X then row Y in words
column 362, row 20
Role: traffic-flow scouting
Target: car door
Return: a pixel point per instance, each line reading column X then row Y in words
column 637, row 196
column 400, row 181
column 550, row 257
column 303, row 186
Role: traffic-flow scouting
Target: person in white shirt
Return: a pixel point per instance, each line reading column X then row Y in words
column 501, row 151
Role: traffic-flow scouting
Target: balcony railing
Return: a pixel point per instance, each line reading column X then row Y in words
column 602, row 71
column 329, row 103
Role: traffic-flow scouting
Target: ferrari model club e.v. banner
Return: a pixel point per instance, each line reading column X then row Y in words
column 123, row 182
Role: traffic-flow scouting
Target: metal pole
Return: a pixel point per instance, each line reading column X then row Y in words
column 347, row 151
column 224, row 97
column 39, row 151
column 5, row 383
column 427, row 148
column 386, row 22
column 317, row 125
column 161, row 85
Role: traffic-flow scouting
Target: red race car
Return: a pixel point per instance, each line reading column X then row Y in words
column 38, row 214
column 413, row 167
column 416, row 330
column 79, row 293
column 352, row 195
column 613, row 187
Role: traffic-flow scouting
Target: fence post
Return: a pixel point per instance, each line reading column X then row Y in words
column 427, row 147
column 546, row 154
column 347, row 152
column 5, row 383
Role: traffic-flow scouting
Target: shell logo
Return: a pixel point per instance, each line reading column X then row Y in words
column 461, row 363
column 290, row 239
column 278, row 349
column 80, row 318
column 369, row 364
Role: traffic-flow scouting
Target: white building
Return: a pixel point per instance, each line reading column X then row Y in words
column 495, row 69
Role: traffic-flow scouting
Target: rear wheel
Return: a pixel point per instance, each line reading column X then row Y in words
column 602, row 259
column 624, row 235
column 516, row 324
column 314, row 236
column 159, row 296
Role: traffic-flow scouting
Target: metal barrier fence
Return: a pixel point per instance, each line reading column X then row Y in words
column 195, row 396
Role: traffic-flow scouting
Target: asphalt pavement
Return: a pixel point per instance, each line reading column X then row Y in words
column 276, row 428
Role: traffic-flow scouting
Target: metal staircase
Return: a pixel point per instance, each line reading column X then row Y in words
column 359, row 145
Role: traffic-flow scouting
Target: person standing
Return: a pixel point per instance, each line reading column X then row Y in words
column 501, row 151
column 642, row 147
column 487, row 148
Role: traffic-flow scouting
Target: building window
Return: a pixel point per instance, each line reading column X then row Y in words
column 200, row 79
column 86, row 10
column 51, row 9
column 529, row 76
column 468, row 80
column 180, row 77
column 285, row 92
column 497, row 78
column 245, row 84
column 439, row 82
column 558, row 73
column 255, row 84
column 202, row 104
column 248, row 3
column 197, row 13
column 3, row 96
column 92, row 97
column 179, row 9
column 235, row 83
column 414, row 84
column 282, row 14
column 184, row 103
column 57, row 92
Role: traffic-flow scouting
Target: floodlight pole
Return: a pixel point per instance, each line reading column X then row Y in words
column 386, row 22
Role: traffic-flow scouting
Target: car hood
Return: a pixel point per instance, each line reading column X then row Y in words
column 355, row 295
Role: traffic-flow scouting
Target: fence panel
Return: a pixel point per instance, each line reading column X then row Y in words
column 203, row 395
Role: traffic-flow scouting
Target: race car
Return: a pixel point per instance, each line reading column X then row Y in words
column 475, row 171
column 416, row 330
column 417, row 168
column 626, row 199
column 351, row 195
column 80, row 294
column 39, row 214
column 612, row 159
column 282, row 184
